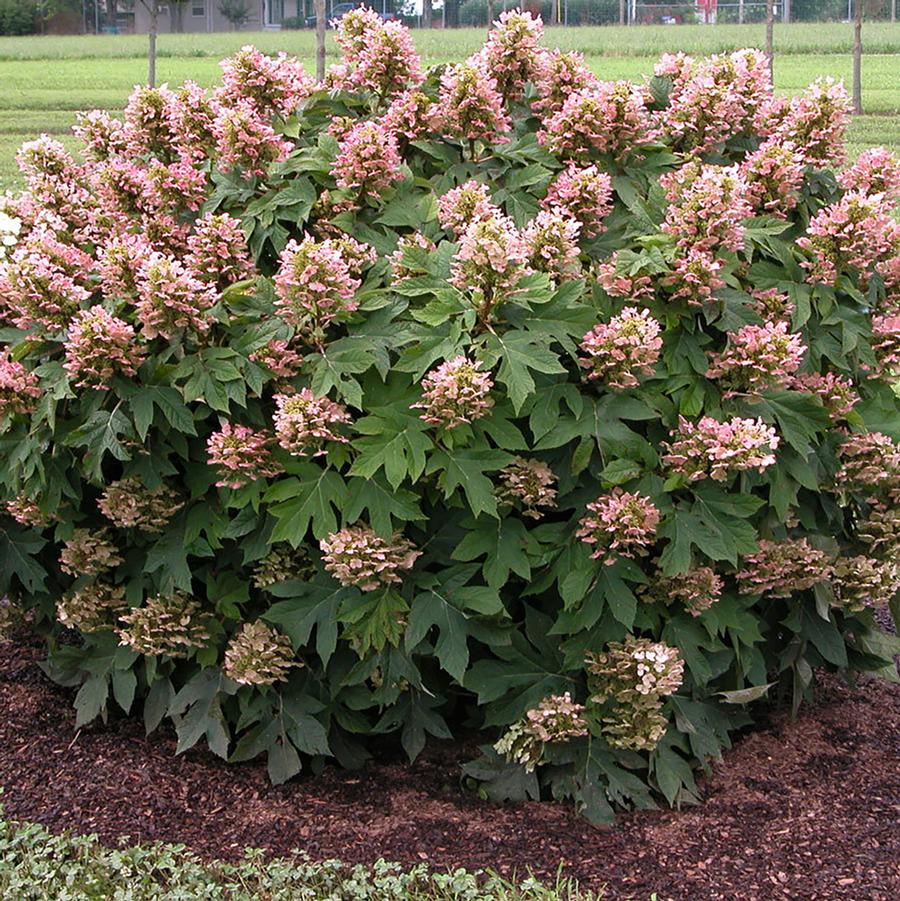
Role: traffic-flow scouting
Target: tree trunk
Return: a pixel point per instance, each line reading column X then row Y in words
column 427, row 13
column 490, row 14
column 621, row 12
column 319, row 7
column 770, row 37
column 112, row 13
column 740, row 12
column 153, row 7
column 786, row 11
column 893, row 10
column 176, row 15
column 857, row 58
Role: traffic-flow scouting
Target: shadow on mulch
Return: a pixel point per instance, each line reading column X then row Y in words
column 804, row 810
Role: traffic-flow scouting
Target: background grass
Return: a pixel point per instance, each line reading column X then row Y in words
column 46, row 79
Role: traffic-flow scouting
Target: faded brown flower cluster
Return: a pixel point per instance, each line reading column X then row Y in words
column 93, row 608
column 173, row 625
column 130, row 504
column 635, row 675
column 258, row 655
column 359, row 556
column 89, row 552
column 556, row 719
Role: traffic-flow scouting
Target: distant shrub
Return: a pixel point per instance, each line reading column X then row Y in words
column 18, row 18
column 494, row 396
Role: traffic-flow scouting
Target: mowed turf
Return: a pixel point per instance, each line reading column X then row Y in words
column 45, row 80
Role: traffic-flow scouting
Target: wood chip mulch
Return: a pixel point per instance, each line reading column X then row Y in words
column 799, row 810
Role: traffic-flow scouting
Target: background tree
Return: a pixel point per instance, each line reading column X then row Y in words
column 152, row 7
column 857, row 58
column 319, row 7
column 236, row 11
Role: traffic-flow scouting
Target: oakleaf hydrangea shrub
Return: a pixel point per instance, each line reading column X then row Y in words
column 495, row 399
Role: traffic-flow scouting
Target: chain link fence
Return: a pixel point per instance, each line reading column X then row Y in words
column 633, row 12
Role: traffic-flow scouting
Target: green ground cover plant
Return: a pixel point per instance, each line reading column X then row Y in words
column 491, row 398
column 36, row 865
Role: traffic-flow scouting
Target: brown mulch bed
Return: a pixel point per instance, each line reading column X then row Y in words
column 803, row 810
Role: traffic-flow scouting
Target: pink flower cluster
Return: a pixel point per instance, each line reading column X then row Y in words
column 273, row 85
column 837, row 393
column 876, row 171
column 304, row 423
column 99, row 346
column 619, row 524
column 368, row 159
column 129, row 504
column 491, row 259
column 377, row 56
column 171, row 298
column 246, row 141
column 886, row 342
column 512, row 52
column 584, row 194
column 217, row 250
column 313, row 286
column 557, row 75
column 617, row 351
column 758, row 357
column 470, row 106
column 192, row 119
column 118, row 262
column 774, row 176
column 617, row 279
column 454, row 393
column 45, row 282
column 551, row 245
column 713, row 99
column 461, row 206
column 56, row 183
column 102, row 135
column 148, row 123
column 694, row 277
column 815, row 122
column 278, row 357
column 359, row 556
column 855, row 232
column 409, row 116
column 609, row 117
column 241, row 455
column 19, row 388
column 714, row 449
column 783, row 568
column 707, row 206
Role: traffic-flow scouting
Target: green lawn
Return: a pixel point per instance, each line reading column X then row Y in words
column 46, row 79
